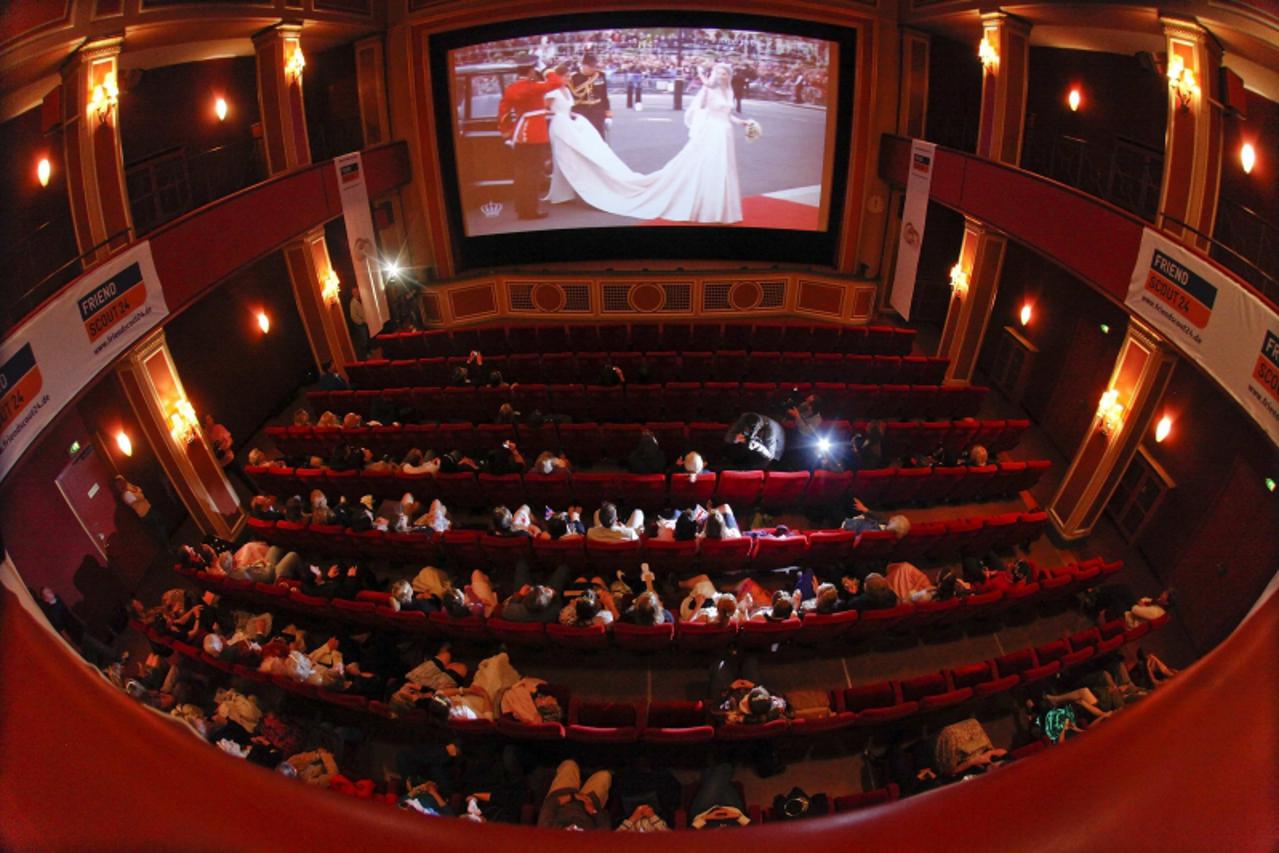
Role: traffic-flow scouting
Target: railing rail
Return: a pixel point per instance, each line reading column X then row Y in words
column 1126, row 173
column 11, row 312
column 166, row 184
column 1236, row 262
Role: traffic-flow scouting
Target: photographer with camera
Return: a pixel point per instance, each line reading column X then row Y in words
column 754, row 442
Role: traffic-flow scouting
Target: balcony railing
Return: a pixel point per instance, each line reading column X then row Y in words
column 1126, row 174
column 172, row 182
column 1249, row 245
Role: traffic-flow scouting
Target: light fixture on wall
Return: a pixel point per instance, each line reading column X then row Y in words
column 1111, row 412
column 220, row 108
column 104, row 98
column 44, row 169
column 264, row 322
column 183, row 422
column 987, row 54
column 1163, row 429
column 1025, row 314
column 1182, row 80
column 391, row 269
column 1074, row 99
column 123, row 442
column 1247, row 157
column 959, row 280
column 294, row 65
column 329, row 288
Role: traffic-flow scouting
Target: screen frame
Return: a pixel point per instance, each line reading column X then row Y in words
column 631, row 243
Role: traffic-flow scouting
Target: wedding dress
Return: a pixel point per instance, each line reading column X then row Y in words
column 699, row 184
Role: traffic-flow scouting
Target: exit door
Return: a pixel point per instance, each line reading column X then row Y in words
column 86, row 487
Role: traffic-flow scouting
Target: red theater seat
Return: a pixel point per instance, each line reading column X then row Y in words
column 602, row 722
column 643, row 638
column 677, row 723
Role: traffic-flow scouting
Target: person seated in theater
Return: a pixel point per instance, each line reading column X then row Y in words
column 610, row 376
column 504, row 459
column 909, row 584
column 754, row 441
column 647, row 457
column 328, row 420
column 692, row 464
column 267, row 508
column 563, row 525
column 320, row 512
column 737, row 695
column 535, row 603
column 721, row 524
column 549, row 462
column 258, row 562
column 781, row 607
column 461, row 377
column 866, row 451
column 718, row 803
column 996, row 576
column 647, row 609
column 607, row 527
column 345, row 457
column 384, row 464
column 1149, row 671
column 1052, row 722
column 1116, row 601
column 260, row 459
column 496, row 380
column 457, row 462
column 503, row 522
column 434, row 520
column 295, row 511
column 302, row 417
column 806, row 416
column 593, row 606
column 322, row 583
column 863, row 520
column 417, row 461
column 964, row 749
column 870, row 593
column 573, row 804
column 331, row 380
column 352, row 420
column 975, row 456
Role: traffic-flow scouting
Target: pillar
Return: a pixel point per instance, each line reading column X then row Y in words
column 1123, row 416
column 375, row 120
column 92, row 154
column 1003, row 87
column 154, row 390
column 912, row 109
column 280, row 67
column 315, row 290
column 1193, row 141
column 980, row 264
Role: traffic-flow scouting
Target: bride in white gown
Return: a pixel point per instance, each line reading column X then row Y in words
column 699, row 184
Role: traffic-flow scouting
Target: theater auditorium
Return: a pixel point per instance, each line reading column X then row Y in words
column 472, row 423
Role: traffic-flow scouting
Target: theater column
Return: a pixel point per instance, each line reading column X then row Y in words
column 912, row 108
column 316, row 291
column 154, row 390
column 280, row 64
column 1123, row 416
column 1193, row 140
column 1003, row 87
column 91, row 143
column 974, row 283
column 375, row 122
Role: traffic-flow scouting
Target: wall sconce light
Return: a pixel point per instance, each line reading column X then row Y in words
column 391, row 269
column 1074, row 99
column 264, row 322
column 44, row 169
column 1247, row 157
column 1111, row 412
column 293, row 67
column 329, row 291
column 1025, row 314
column 988, row 55
column 104, row 98
column 1163, row 429
column 1182, row 80
column 183, row 422
column 220, row 109
column 122, row 441
column 959, row 280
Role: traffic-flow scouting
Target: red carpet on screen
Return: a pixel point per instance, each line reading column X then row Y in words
column 760, row 211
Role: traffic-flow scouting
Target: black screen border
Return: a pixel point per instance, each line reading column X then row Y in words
column 630, row 243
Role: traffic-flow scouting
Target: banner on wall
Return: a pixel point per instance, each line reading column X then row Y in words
column 361, row 239
column 1212, row 318
column 914, row 211
column 61, row 349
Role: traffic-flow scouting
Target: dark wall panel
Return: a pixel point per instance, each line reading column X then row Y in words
column 228, row 367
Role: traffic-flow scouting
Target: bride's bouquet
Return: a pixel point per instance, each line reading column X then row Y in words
column 753, row 130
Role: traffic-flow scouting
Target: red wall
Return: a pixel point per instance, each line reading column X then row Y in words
column 1260, row 190
column 954, row 91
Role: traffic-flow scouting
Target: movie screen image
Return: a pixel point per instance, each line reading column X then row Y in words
column 644, row 127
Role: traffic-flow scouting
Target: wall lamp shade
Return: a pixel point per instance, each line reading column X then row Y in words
column 220, row 109
column 329, row 291
column 987, row 54
column 44, row 170
column 294, row 65
column 264, row 322
column 959, row 279
column 104, row 98
column 1247, row 157
column 1111, row 412
column 1181, row 79
column 1025, row 314
column 123, row 442
column 1074, row 99
column 1163, row 429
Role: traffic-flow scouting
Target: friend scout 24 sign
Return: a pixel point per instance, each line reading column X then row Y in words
column 46, row 362
column 1228, row 330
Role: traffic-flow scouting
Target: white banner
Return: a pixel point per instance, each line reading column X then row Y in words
column 1229, row 331
column 914, row 212
column 58, row 351
column 361, row 240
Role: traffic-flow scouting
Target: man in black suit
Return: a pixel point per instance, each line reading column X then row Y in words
column 590, row 94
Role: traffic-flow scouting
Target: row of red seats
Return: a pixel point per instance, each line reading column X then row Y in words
column 936, row 540
column 689, row 722
column 675, row 401
column 776, row 490
column 503, row 339
column 371, row 610
column 590, row 440
column 656, row 366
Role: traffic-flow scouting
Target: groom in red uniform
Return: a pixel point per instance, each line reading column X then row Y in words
column 522, row 119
